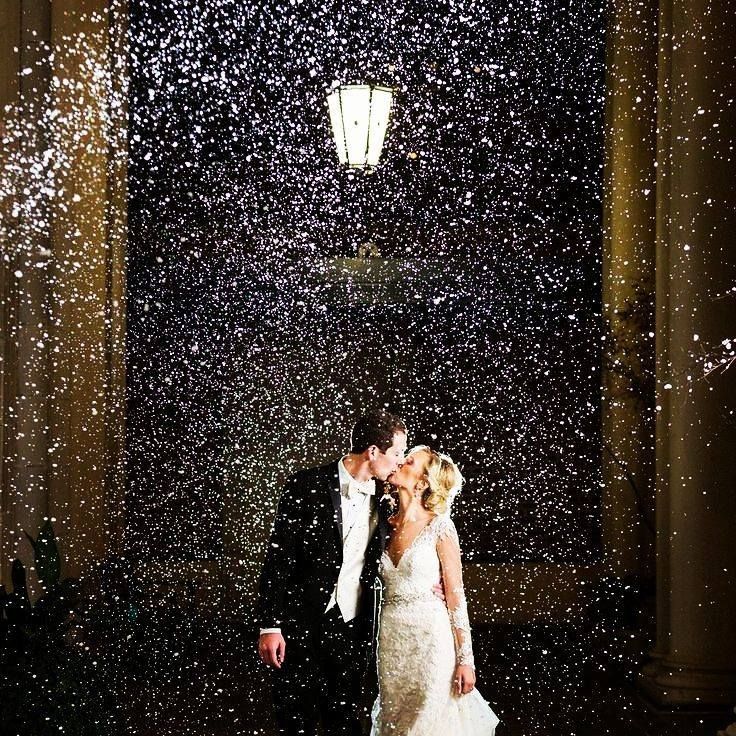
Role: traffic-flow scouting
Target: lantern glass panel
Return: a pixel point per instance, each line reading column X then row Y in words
column 356, row 108
column 380, row 109
column 338, row 131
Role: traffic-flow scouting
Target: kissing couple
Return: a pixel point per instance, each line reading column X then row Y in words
column 349, row 572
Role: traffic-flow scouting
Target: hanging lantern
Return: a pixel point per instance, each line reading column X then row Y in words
column 359, row 114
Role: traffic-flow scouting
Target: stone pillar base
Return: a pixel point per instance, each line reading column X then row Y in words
column 675, row 686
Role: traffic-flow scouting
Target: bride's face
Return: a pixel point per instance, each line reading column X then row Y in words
column 412, row 471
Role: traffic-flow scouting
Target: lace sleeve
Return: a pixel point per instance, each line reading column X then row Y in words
column 448, row 549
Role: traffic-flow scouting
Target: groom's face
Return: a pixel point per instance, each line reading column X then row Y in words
column 383, row 464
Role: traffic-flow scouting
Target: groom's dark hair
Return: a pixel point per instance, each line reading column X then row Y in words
column 375, row 428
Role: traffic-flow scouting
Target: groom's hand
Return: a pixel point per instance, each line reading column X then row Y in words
column 272, row 649
column 439, row 590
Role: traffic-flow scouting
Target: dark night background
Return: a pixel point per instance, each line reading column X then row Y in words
column 243, row 365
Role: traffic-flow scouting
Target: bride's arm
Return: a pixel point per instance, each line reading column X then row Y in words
column 448, row 549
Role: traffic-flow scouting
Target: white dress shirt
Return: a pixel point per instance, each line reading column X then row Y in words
column 358, row 524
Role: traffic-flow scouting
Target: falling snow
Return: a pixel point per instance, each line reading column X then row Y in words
column 256, row 334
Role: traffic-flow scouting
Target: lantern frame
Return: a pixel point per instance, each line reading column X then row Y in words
column 337, row 112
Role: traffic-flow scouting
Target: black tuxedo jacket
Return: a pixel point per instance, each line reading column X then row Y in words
column 304, row 555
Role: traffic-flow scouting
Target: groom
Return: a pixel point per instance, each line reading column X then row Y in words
column 317, row 602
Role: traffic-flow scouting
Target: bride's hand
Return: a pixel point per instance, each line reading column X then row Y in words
column 464, row 679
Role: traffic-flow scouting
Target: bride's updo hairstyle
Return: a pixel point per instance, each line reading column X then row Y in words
column 444, row 481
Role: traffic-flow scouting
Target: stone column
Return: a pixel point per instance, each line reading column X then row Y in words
column 63, row 283
column 26, row 34
column 662, row 330
column 628, row 285
column 700, row 313
column 88, row 242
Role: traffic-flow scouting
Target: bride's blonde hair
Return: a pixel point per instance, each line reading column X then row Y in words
column 443, row 478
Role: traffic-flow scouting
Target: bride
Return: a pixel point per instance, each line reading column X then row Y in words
column 426, row 673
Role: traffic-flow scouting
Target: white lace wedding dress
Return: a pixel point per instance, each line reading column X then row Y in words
column 420, row 641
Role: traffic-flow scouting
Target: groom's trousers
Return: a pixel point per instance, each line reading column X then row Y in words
column 321, row 679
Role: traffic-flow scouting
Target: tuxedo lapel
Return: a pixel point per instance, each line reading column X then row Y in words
column 384, row 530
column 332, row 479
column 382, row 527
